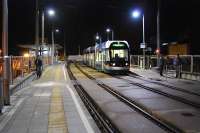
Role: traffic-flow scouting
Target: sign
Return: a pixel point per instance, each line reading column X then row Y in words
column 118, row 45
column 142, row 45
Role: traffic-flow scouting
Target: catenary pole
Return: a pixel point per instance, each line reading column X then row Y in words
column 37, row 27
column 158, row 31
column 6, row 94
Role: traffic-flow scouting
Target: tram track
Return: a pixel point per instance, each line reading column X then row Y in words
column 165, row 85
column 165, row 125
column 174, row 97
column 103, row 122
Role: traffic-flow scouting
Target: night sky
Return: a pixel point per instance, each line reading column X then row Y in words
column 82, row 19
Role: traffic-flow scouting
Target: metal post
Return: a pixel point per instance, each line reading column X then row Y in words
column 79, row 52
column 11, row 70
column 112, row 35
column 42, row 36
column 64, row 45
column 53, row 47
column 6, row 94
column 192, row 63
column 37, row 28
column 107, row 36
column 158, row 32
column 143, row 41
column 43, row 28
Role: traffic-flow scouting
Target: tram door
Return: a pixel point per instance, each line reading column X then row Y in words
column 102, row 60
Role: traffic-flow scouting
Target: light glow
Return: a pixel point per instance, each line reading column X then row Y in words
column 51, row 12
column 136, row 14
column 107, row 30
column 57, row 30
column 26, row 55
column 97, row 37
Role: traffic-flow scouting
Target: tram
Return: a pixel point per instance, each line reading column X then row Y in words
column 109, row 56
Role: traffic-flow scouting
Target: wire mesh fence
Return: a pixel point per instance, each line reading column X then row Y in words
column 189, row 63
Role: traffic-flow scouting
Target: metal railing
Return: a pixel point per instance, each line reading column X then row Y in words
column 190, row 63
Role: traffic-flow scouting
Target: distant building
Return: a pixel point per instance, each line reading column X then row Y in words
column 178, row 48
column 44, row 50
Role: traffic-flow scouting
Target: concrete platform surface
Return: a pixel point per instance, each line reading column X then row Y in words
column 48, row 104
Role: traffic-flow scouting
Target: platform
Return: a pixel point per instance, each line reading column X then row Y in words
column 48, row 104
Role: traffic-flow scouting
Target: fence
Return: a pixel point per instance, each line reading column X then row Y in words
column 20, row 65
column 190, row 63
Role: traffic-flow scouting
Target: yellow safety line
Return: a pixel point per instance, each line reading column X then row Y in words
column 57, row 122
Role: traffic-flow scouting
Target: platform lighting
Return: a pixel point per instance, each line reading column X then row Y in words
column 97, row 37
column 26, row 55
column 107, row 30
column 164, row 44
column 57, row 30
column 157, row 51
column 51, row 12
column 136, row 14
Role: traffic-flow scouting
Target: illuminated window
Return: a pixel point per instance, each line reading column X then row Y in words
column 121, row 53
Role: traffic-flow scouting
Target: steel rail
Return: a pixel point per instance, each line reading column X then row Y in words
column 101, row 119
column 174, row 97
column 167, row 126
column 165, row 85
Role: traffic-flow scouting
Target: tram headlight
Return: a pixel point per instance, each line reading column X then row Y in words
column 113, row 64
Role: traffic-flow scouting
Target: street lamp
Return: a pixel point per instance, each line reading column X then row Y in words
column 108, row 30
column 57, row 30
column 137, row 14
column 51, row 13
column 64, row 40
column 98, row 38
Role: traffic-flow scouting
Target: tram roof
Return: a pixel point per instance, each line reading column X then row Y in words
column 107, row 44
column 103, row 45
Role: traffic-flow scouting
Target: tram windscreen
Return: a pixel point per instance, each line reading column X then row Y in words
column 121, row 53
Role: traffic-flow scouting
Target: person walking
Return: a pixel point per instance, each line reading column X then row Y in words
column 162, row 64
column 38, row 64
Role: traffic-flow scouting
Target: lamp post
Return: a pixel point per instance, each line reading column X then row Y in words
column 137, row 14
column 98, row 38
column 51, row 13
column 64, row 40
column 6, row 94
column 108, row 30
column 37, row 28
column 158, row 32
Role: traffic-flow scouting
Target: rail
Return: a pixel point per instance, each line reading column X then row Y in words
column 135, row 106
column 103, row 122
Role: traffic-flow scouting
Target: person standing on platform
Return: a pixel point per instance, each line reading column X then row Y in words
column 162, row 64
column 38, row 64
column 178, row 66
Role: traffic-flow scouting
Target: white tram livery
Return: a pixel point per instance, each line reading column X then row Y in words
column 110, row 56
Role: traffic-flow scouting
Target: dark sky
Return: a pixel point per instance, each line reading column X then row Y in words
column 82, row 19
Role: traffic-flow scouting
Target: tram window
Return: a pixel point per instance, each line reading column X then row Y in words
column 122, row 53
column 107, row 55
column 97, row 56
